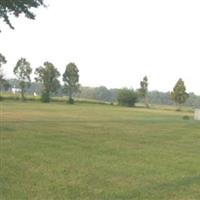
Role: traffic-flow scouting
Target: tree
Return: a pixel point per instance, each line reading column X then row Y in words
column 3, row 82
column 127, row 97
column 102, row 93
column 71, row 80
column 2, row 61
column 143, row 91
column 17, row 7
column 48, row 76
column 23, row 71
column 179, row 94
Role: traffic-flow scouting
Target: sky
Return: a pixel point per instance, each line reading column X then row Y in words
column 114, row 43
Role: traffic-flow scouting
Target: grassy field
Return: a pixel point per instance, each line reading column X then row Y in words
column 97, row 152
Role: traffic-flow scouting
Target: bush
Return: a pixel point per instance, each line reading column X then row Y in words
column 70, row 101
column 127, row 97
column 186, row 117
column 45, row 97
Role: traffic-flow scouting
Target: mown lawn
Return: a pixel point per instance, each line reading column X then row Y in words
column 57, row 151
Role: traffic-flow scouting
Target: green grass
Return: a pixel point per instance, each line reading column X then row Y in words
column 84, row 151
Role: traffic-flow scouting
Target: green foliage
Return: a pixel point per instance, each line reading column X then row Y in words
column 90, row 93
column 143, row 91
column 71, row 80
column 45, row 97
column 70, row 101
column 127, row 97
column 160, row 98
column 2, row 60
column 48, row 76
column 186, row 117
column 98, row 93
column 102, row 93
column 23, row 71
column 193, row 101
column 179, row 94
column 17, row 7
column 3, row 82
column 144, row 87
column 35, row 87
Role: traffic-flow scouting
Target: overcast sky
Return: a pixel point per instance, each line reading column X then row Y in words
column 114, row 43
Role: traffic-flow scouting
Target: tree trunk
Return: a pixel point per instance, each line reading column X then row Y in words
column 146, row 101
column 0, row 92
column 22, row 94
column 70, row 93
column 0, row 95
column 179, row 107
column 70, row 101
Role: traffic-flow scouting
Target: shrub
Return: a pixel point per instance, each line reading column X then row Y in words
column 70, row 101
column 127, row 97
column 186, row 117
column 45, row 97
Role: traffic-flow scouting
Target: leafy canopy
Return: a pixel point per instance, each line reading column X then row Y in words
column 143, row 90
column 127, row 97
column 179, row 94
column 3, row 82
column 144, row 87
column 71, row 79
column 2, row 61
column 48, row 76
column 17, row 7
column 23, row 71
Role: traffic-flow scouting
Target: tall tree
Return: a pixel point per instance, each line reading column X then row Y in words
column 23, row 71
column 179, row 94
column 48, row 76
column 71, row 80
column 3, row 81
column 17, row 7
column 143, row 91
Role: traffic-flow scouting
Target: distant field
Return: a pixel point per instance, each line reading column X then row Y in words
column 97, row 152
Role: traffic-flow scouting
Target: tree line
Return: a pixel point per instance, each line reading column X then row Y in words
column 104, row 94
column 47, row 84
column 47, row 75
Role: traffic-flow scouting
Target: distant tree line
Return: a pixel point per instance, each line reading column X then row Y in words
column 154, row 97
column 110, row 95
column 47, row 84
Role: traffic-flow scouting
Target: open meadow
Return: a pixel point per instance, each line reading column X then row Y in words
column 97, row 152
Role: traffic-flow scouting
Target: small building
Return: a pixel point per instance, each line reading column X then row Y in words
column 15, row 90
column 197, row 114
column 35, row 94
